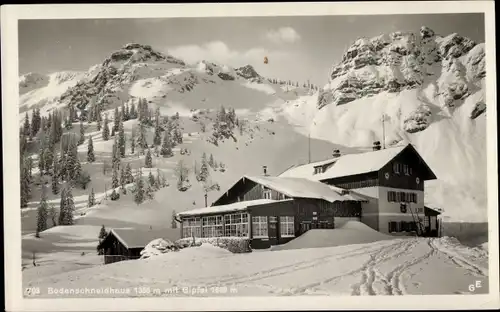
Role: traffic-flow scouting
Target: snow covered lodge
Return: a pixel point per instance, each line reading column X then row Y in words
column 383, row 188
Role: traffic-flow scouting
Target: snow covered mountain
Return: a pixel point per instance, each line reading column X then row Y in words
column 429, row 87
column 430, row 90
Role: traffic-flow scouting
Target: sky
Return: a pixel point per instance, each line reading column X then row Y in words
column 298, row 48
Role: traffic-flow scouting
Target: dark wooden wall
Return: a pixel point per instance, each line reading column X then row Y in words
column 370, row 179
column 402, row 180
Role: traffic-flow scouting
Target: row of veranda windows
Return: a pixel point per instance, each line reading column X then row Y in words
column 235, row 225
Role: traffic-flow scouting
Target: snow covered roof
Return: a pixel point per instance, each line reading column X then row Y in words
column 238, row 206
column 346, row 165
column 304, row 188
column 136, row 238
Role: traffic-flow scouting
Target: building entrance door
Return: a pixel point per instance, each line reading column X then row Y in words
column 273, row 229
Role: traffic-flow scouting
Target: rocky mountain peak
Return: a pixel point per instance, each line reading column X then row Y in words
column 406, row 60
column 248, row 72
column 137, row 53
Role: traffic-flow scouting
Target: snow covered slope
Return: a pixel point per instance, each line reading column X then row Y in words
column 434, row 266
column 431, row 90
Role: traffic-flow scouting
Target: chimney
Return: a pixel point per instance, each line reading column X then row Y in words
column 376, row 146
column 265, row 170
column 336, row 153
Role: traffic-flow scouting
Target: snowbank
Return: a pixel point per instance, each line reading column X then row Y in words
column 352, row 232
column 232, row 244
column 157, row 247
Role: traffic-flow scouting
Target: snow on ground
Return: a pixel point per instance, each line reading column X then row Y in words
column 388, row 267
column 352, row 232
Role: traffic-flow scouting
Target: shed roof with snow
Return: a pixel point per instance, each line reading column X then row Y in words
column 132, row 238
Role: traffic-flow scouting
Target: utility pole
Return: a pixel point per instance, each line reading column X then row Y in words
column 383, row 131
column 309, row 146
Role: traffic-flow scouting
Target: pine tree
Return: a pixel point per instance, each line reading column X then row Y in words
column 123, row 180
column 174, row 223
column 62, row 207
column 182, row 173
column 102, row 233
column 158, row 180
column 116, row 120
column 41, row 159
column 157, row 136
column 98, row 121
column 133, row 112
column 114, row 179
column 121, row 139
column 149, row 160
column 132, row 141
column 143, row 144
column 25, row 183
column 55, row 184
column 211, row 161
column 82, row 133
column 69, row 209
column 166, row 146
column 139, row 189
column 204, row 173
column 116, row 154
column 91, row 201
column 151, row 179
column 53, row 215
column 26, row 127
column 129, row 178
column 126, row 113
column 105, row 129
column 42, row 214
column 178, row 136
column 90, row 150
column 150, row 194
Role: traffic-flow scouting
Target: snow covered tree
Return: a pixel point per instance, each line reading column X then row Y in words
column 91, row 200
column 62, row 207
column 123, row 180
column 149, row 160
column 157, row 136
column 139, row 189
column 69, row 209
column 105, row 129
column 82, row 133
column 132, row 141
column 158, row 179
column 204, row 173
column 55, row 184
column 211, row 161
column 133, row 112
column 151, row 179
column 178, row 136
column 114, row 179
column 53, row 215
column 166, row 146
column 114, row 195
column 90, row 150
column 42, row 213
column 121, row 139
column 182, row 172
column 125, row 112
column 150, row 190
column 116, row 120
column 83, row 179
column 25, row 183
column 173, row 224
column 99, row 122
column 26, row 126
column 142, row 142
column 129, row 178
column 102, row 233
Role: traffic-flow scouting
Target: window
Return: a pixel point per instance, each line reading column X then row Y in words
column 397, row 168
column 191, row 227
column 259, row 226
column 406, row 170
column 236, row 224
column 267, row 193
column 287, row 228
column 212, row 226
column 393, row 226
column 318, row 170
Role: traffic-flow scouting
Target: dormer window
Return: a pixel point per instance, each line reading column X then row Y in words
column 406, row 169
column 397, row 168
column 319, row 169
